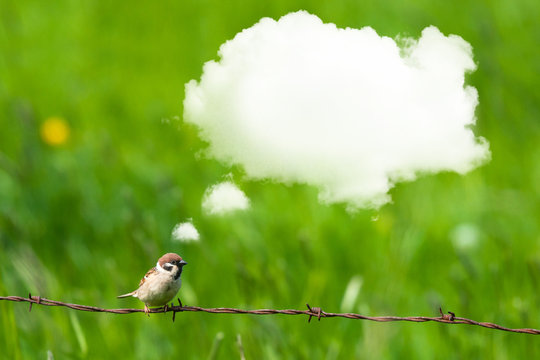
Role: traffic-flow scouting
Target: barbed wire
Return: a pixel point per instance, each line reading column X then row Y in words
column 311, row 312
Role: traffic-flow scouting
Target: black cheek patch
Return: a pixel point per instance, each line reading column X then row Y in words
column 167, row 267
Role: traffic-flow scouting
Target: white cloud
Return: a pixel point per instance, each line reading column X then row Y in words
column 345, row 110
column 185, row 232
column 223, row 198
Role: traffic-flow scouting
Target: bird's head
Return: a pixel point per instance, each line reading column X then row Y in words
column 172, row 263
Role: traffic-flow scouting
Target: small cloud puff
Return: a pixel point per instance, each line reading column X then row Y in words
column 224, row 198
column 185, row 232
column 345, row 110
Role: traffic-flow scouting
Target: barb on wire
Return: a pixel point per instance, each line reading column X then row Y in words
column 311, row 311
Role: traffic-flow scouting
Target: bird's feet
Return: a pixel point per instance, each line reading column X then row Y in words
column 147, row 310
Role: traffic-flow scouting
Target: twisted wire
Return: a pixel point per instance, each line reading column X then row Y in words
column 311, row 312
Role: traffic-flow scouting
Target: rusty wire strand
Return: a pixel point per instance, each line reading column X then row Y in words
column 317, row 312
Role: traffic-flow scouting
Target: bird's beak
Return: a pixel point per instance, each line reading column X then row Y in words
column 182, row 262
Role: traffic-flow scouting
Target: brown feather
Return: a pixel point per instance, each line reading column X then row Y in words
column 148, row 273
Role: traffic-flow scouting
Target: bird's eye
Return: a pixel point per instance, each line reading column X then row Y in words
column 167, row 267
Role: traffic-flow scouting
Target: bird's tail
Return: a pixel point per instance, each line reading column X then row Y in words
column 127, row 295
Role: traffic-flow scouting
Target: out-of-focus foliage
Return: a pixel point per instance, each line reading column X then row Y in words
column 96, row 168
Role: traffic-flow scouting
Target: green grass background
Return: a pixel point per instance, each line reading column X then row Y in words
column 82, row 222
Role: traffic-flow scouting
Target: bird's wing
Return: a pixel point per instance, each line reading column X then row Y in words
column 148, row 274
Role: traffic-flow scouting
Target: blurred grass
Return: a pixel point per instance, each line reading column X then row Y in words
column 81, row 222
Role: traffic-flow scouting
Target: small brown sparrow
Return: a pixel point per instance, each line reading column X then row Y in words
column 161, row 283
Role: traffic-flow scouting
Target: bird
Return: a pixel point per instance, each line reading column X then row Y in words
column 161, row 283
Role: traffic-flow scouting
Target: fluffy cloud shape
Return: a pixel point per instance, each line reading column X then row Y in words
column 224, row 198
column 185, row 232
column 345, row 110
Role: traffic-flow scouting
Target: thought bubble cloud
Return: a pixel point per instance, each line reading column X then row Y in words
column 185, row 232
column 345, row 110
column 224, row 198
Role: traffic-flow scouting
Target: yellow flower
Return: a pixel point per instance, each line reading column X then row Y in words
column 54, row 131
